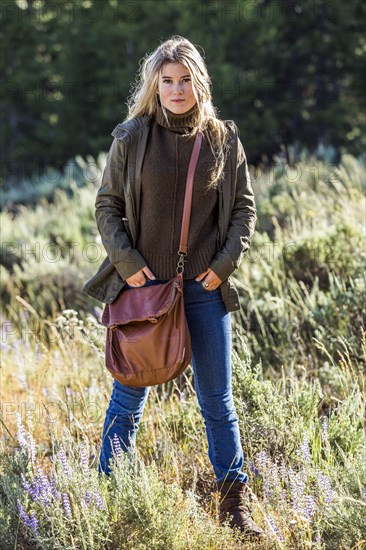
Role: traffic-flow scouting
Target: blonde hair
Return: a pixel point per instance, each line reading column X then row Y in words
column 144, row 99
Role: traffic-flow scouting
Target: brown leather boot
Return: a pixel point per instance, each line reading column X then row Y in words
column 234, row 501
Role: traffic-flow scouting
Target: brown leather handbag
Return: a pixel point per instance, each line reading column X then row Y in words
column 148, row 340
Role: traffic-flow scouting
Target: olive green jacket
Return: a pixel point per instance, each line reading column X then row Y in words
column 117, row 213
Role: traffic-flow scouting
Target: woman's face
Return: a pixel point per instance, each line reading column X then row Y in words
column 175, row 88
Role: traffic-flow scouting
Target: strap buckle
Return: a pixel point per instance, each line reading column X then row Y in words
column 180, row 264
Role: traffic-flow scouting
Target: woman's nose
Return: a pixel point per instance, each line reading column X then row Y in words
column 177, row 87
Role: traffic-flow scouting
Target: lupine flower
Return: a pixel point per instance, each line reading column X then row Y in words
column 261, row 460
column 39, row 488
column 116, row 445
column 310, row 507
column 22, row 434
column 95, row 496
column 275, row 528
column 303, row 475
column 66, row 505
column 25, row 439
column 273, row 474
column 55, row 493
column 88, row 497
column 297, row 489
column 84, row 461
column 98, row 501
column 44, row 486
column 253, row 468
column 29, row 521
column 266, row 490
column 326, row 487
column 32, row 491
column 32, row 448
column 64, row 462
column 363, row 493
column 306, row 449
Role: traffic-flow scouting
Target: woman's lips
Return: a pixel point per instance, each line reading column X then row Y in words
column 177, row 100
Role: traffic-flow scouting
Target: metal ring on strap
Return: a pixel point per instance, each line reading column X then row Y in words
column 180, row 264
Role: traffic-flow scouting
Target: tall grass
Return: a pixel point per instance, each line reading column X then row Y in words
column 298, row 379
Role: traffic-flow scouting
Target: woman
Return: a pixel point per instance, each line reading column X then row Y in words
column 139, row 211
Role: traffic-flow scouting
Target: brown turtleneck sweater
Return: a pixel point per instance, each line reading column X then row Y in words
column 163, row 178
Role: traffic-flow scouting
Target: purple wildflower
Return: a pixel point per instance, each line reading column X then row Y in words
column 261, row 460
column 326, row 487
column 116, row 446
column 44, row 486
column 84, row 461
column 297, row 489
column 303, row 475
column 32, row 490
column 66, row 504
column 253, row 468
column 363, row 493
column 310, row 506
column 95, row 496
column 305, row 448
column 29, row 521
column 22, row 434
column 25, row 439
column 39, row 488
column 267, row 492
column 98, row 501
column 32, row 448
column 275, row 528
column 55, row 493
column 64, row 462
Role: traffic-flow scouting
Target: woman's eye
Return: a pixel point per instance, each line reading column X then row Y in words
column 168, row 81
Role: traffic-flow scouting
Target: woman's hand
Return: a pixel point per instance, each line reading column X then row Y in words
column 210, row 278
column 139, row 279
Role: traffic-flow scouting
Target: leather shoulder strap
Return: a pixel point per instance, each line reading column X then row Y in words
column 183, row 246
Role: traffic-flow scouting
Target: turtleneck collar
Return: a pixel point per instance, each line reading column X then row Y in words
column 182, row 123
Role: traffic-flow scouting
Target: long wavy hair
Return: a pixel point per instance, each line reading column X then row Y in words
column 144, row 99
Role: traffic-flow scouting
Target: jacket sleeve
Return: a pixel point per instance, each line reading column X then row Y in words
column 242, row 222
column 110, row 211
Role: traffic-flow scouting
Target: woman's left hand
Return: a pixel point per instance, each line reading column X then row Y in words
column 210, row 278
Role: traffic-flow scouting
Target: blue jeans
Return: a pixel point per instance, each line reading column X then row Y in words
column 210, row 328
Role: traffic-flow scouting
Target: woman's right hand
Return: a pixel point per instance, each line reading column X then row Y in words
column 139, row 279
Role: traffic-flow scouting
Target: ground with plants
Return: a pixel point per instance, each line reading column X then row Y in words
column 299, row 359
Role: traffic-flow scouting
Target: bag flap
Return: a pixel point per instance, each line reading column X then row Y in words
column 140, row 303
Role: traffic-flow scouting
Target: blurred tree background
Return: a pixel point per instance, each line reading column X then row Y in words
column 290, row 73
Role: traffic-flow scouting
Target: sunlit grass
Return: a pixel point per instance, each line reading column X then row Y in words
column 298, row 378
